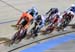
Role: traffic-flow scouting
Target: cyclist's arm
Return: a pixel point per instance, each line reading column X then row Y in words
column 48, row 11
column 19, row 20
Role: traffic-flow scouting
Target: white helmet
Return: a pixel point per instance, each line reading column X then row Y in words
column 70, row 12
column 73, row 5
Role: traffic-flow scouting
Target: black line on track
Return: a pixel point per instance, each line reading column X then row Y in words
column 39, row 40
column 11, row 6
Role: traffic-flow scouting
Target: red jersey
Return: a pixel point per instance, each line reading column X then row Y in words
column 55, row 20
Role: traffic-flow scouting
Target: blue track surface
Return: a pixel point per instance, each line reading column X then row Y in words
column 50, row 43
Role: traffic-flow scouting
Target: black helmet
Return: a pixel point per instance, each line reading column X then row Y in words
column 38, row 18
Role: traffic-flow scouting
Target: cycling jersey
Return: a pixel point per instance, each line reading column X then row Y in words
column 27, row 17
